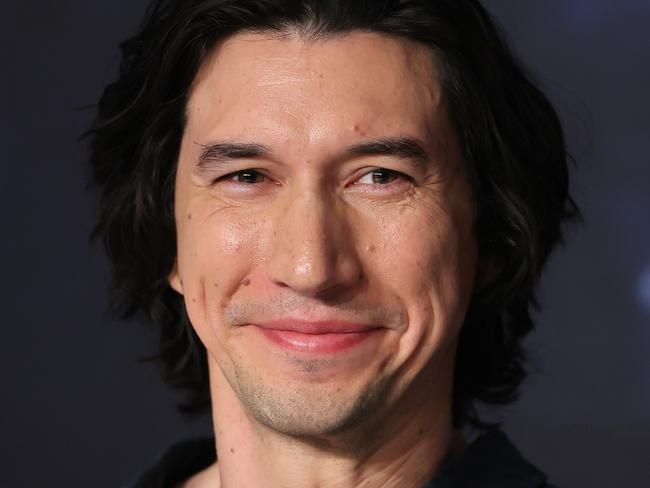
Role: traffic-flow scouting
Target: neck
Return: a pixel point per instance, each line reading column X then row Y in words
column 391, row 451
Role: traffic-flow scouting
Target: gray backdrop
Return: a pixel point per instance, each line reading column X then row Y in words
column 78, row 409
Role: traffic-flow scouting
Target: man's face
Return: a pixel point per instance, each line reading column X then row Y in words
column 325, row 245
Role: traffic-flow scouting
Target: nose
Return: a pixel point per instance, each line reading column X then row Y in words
column 311, row 250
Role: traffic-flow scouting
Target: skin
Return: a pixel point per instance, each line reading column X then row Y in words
column 316, row 233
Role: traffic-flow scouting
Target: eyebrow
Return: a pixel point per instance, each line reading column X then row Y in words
column 221, row 152
column 407, row 148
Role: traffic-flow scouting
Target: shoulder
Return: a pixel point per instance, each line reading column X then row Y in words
column 492, row 460
column 179, row 462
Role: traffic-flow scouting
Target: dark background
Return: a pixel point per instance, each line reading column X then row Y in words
column 79, row 410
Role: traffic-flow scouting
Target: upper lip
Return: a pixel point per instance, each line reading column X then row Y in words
column 316, row 326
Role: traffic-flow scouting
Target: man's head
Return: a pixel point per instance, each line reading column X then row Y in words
column 379, row 167
column 309, row 195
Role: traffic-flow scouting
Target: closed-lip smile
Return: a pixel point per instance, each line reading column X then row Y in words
column 323, row 336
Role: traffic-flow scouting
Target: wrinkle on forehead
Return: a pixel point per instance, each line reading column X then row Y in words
column 293, row 61
column 296, row 93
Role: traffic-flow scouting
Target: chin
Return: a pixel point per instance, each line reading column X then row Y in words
column 309, row 409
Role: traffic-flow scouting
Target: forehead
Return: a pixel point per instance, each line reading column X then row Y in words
column 307, row 90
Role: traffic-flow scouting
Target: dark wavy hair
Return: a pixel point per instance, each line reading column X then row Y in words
column 510, row 136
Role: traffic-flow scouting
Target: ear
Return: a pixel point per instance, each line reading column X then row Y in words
column 174, row 279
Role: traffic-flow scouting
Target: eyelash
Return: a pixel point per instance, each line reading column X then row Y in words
column 395, row 174
column 231, row 176
column 390, row 172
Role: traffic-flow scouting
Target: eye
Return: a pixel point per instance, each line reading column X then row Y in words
column 244, row 177
column 380, row 176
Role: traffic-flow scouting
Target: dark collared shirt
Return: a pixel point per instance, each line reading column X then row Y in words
column 491, row 461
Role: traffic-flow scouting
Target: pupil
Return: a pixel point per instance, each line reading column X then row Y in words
column 248, row 177
column 381, row 176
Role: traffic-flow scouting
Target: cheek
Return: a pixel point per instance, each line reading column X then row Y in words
column 215, row 255
column 407, row 252
column 427, row 259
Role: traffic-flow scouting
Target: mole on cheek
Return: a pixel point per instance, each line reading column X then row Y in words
column 246, row 282
column 189, row 216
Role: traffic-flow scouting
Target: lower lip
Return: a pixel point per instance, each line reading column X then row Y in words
column 317, row 343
